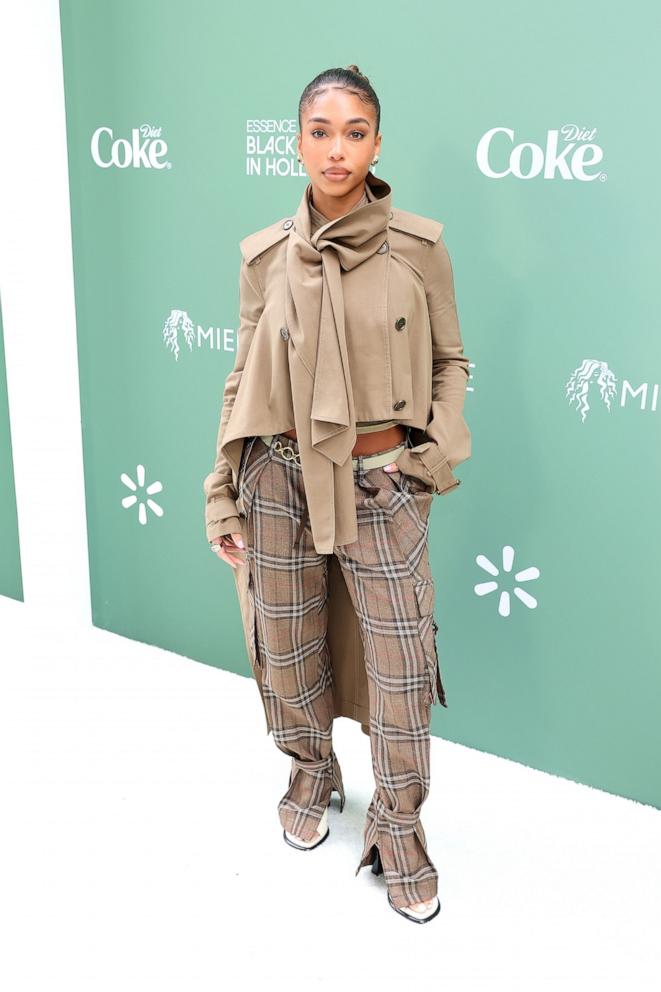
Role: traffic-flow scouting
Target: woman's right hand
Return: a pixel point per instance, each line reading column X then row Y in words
column 227, row 547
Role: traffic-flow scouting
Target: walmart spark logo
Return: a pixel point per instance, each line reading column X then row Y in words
column 504, row 599
column 143, row 501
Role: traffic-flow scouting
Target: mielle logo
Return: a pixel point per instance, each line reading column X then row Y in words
column 178, row 320
column 595, row 373
column 498, row 156
column 145, row 149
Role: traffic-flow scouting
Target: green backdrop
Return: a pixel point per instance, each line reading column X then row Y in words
column 528, row 134
column 11, row 580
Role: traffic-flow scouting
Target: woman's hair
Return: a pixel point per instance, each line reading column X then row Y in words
column 352, row 78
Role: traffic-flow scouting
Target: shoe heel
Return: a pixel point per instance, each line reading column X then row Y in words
column 377, row 867
column 340, row 797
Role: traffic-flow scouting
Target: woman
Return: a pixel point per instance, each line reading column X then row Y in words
column 341, row 419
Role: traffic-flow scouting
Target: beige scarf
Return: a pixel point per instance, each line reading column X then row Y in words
column 318, row 359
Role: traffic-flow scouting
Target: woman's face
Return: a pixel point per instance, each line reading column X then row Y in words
column 337, row 143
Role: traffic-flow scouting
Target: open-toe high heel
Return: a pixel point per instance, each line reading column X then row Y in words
column 323, row 831
column 419, row 916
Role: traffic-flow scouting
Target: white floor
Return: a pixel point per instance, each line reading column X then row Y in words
column 141, row 848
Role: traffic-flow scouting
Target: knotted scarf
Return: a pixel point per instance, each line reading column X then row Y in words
column 318, row 357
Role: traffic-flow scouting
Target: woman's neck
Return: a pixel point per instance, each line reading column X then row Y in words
column 330, row 208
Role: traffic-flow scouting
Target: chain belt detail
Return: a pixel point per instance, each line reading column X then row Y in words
column 375, row 460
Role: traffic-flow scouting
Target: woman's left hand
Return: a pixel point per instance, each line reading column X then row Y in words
column 392, row 467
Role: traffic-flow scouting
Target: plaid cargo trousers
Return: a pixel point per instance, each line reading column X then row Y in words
column 387, row 573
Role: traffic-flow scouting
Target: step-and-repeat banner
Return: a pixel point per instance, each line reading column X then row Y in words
column 541, row 162
column 11, row 580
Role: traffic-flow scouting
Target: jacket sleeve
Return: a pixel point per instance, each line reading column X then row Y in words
column 447, row 437
column 221, row 514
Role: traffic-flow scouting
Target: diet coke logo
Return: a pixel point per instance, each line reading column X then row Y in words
column 144, row 149
column 498, row 156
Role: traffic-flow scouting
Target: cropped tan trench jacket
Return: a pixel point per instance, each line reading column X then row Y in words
column 406, row 364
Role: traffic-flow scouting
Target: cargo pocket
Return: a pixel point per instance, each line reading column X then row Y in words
column 424, row 592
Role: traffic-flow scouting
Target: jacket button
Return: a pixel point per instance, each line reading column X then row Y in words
column 284, row 333
column 399, row 404
column 400, row 322
column 287, row 224
column 383, row 249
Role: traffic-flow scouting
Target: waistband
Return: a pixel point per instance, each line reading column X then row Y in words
column 290, row 452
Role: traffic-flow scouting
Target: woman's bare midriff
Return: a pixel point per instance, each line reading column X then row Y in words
column 368, row 444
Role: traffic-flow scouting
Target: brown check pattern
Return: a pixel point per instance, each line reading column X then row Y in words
column 388, row 577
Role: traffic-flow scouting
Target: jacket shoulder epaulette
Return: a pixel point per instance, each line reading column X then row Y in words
column 254, row 245
column 424, row 228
